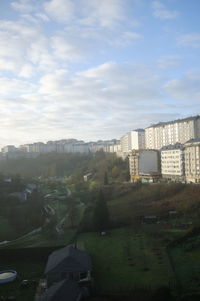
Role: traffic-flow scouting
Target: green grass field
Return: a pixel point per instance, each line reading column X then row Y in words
column 30, row 271
column 126, row 259
column 187, row 267
column 39, row 240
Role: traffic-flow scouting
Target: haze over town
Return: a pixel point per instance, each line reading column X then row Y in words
column 89, row 71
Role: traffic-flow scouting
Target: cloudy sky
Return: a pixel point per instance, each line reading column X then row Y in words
column 95, row 69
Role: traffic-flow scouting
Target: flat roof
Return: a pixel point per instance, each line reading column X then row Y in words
column 174, row 121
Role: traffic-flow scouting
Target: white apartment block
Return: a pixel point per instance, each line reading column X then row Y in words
column 172, row 162
column 166, row 133
column 114, row 148
column 9, row 149
column 133, row 140
column 81, row 148
column 192, row 161
column 144, row 164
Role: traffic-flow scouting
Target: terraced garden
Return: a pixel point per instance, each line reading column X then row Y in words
column 126, row 259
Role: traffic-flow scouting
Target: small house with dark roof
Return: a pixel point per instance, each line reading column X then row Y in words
column 68, row 263
column 61, row 291
column 150, row 219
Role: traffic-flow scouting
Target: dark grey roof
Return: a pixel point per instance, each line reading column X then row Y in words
column 172, row 146
column 73, row 258
column 174, row 121
column 139, row 130
column 62, row 291
column 193, row 140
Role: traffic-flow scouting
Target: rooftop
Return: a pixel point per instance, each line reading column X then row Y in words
column 77, row 259
column 174, row 121
column 196, row 140
column 60, row 290
column 172, row 146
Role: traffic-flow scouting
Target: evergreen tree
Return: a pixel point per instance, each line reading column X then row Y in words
column 101, row 217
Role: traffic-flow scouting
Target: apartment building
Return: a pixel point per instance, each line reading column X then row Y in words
column 192, row 160
column 172, row 162
column 133, row 140
column 114, row 148
column 144, row 165
column 166, row 133
column 9, row 149
column 109, row 146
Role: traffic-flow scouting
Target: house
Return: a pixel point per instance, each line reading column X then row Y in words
column 173, row 213
column 87, row 176
column 68, row 263
column 61, row 291
column 150, row 219
column 21, row 196
column 30, row 188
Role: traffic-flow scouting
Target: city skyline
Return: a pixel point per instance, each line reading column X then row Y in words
column 90, row 71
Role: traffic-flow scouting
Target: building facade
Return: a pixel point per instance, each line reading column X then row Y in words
column 166, row 133
column 9, row 149
column 192, row 161
column 144, row 165
column 133, row 140
column 172, row 162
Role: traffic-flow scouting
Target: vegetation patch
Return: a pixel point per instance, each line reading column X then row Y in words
column 124, row 259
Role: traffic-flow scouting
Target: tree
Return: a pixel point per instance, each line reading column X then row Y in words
column 101, row 218
column 105, row 178
column 72, row 212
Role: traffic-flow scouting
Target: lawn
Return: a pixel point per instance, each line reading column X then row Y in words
column 25, row 270
column 39, row 240
column 126, row 259
column 187, row 267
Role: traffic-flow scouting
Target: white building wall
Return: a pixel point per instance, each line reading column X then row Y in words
column 172, row 162
column 8, row 149
column 192, row 162
column 133, row 140
column 170, row 133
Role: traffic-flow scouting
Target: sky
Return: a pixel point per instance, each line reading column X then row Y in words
column 96, row 69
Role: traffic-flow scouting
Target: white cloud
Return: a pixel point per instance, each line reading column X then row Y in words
column 13, row 87
column 23, row 6
column 104, row 13
column 169, row 62
column 27, row 71
column 53, row 84
column 16, row 42
column 161, row 12
column 42, row 16
column 65, row 50
column 192, row 40
column 92, row 104
column 186, row 88
column 60, row 10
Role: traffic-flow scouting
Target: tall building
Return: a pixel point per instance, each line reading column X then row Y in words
column 172, row 162
column 166, row 133
column 133, row 140
column 192, row 160
column 9, row 149
column 144, row 165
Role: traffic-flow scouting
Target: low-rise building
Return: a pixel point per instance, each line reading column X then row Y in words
column 172, row 162
column 68, row 263
column 61, row 291
column 192, row 160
